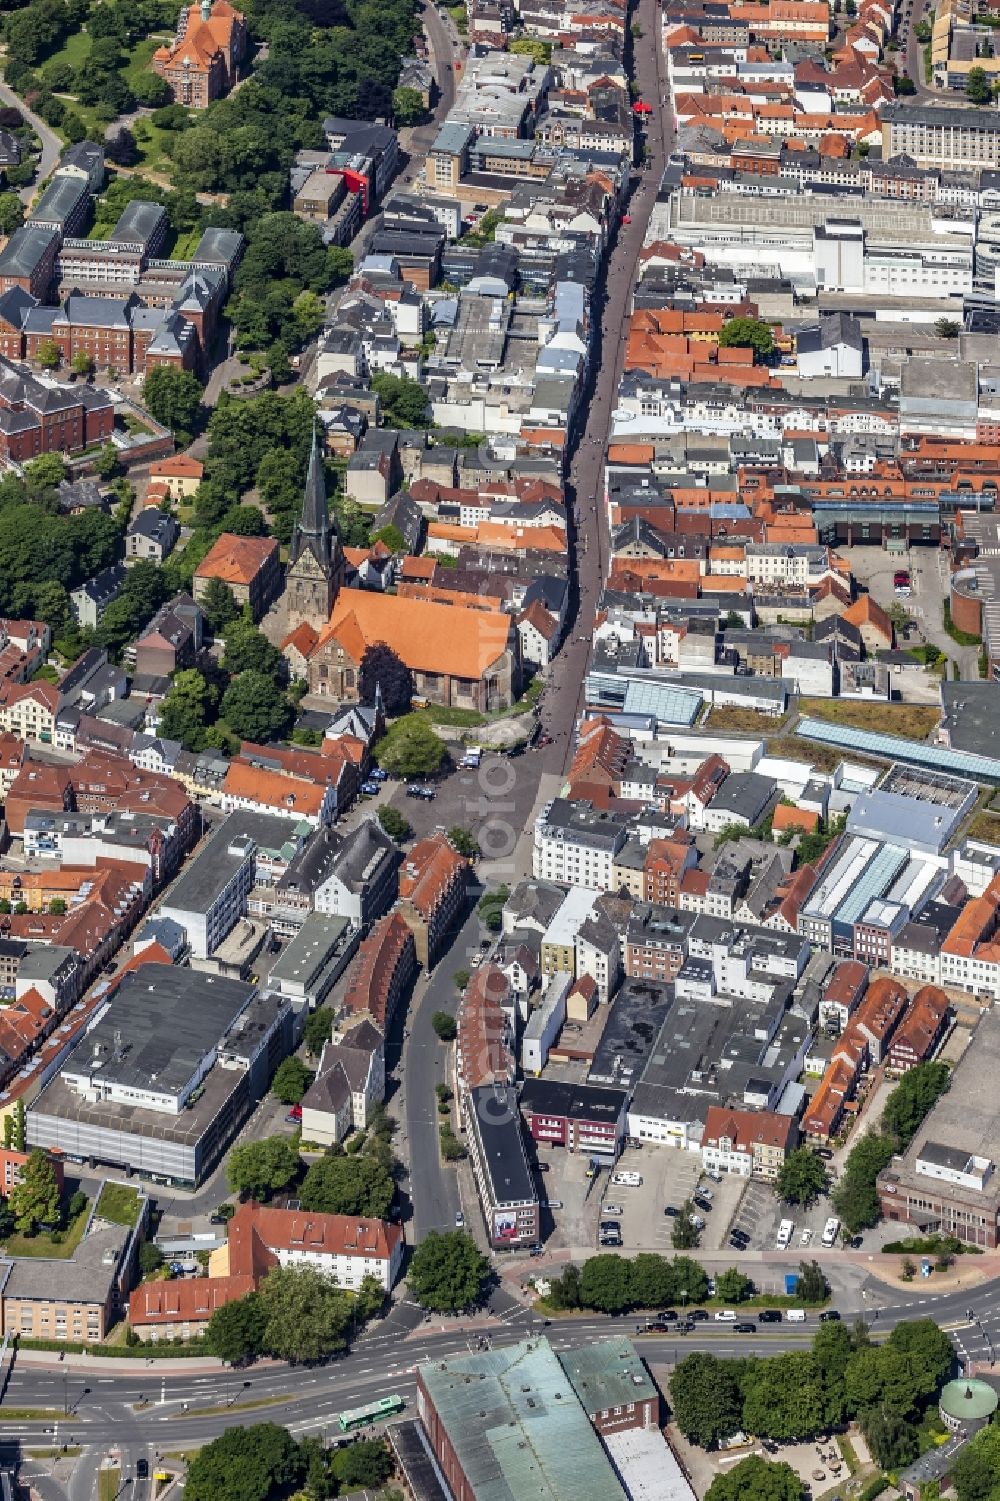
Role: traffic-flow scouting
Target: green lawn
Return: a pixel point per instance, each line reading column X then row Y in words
column 75, row 51
column 42, row 1244
column 185, row 245
column 118, row 1204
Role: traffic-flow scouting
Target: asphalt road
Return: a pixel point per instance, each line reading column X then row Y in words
column 143, row 1409
column 52, row 146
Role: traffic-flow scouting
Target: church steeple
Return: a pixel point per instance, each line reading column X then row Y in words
column 316, row 559
column 313, row 528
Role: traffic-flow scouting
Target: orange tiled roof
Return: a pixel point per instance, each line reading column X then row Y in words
column 427, row 637
column 237, row 560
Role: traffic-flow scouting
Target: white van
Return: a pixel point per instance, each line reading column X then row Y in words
column 796, row 1316
column 830, row 1231
column 627, row 1180
column 726, row 1316
column 785, row 1232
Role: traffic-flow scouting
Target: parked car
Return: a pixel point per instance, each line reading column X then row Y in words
column 551, row 1204
column 459, row 1219
column 613, row 1209
column 702, row 1203
column 427, row 794
column 535, row 1251
column 371, row 789
column 671, row 1212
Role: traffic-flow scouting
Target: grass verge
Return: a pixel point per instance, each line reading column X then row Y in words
column 211, row 1412
column 109, row 1483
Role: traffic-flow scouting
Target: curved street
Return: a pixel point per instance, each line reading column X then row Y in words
column 52, row 146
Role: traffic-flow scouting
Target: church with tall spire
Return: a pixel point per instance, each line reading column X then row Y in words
column 315, row 573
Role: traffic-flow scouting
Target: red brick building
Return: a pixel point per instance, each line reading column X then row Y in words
column 204, row 60
column 37, row 419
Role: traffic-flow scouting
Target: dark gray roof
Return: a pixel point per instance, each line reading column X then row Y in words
column 139, row 222
column 26, row 247
column 60, row 201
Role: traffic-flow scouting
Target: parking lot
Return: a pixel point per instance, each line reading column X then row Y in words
column 760, row 1214
column 668, row 1178
column 574, row 1223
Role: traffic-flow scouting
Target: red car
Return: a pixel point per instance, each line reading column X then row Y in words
column 294, row 1114
column 626, row 218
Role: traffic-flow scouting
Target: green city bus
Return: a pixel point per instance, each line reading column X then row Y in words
column 360, row 1417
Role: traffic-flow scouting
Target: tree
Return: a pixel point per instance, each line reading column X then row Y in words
column 947, row 328
column 291, row 1080
column 248, row 649
column 410, row 749
column 219, row 605
column 733, row 1287
column 566, row 1288
column 856, row 1198
column 706, row 1399
column 684, row 1232
column 892, row 1440
column 756, row 1479
column 408, row 106
column 392, row 538
column 445, row 1026
column 235, row 1331
column 801, row 1178
column 405, row 403
column 604, row 1284
column 188, row 708
column 928, row 1350
column 355, row 1184
column 47, row 354
column 447, row 1272
column 34, row 1199
column 20, row 1126
column 747, row 333
column 833, row 1347
column 173, row 397
column 540, row 52
column 306, row 1316
column 912, row 1099
column 106, row 462
column 150, row 1257
column 120, row 147
column 394, row 824
column 651, row 1281
column 317, row 1030
column 783, row 1397
column 382, row 668
column 977, row 1467
column 362, row 1465
column 812, row 1286
column 257, row 1169
column 463, row 841
column 255, row 708
column 245, row 1464
column 11, row 213
column 977, row 87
